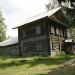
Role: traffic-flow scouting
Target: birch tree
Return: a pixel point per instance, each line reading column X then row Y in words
column 2, row 28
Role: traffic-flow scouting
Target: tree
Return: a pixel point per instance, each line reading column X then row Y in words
column 70, row 2
column 68, row 7
column 2, row 28
column 51, row 4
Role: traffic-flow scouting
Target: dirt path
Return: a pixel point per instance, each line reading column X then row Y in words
column 67, row 68
column 70, row 62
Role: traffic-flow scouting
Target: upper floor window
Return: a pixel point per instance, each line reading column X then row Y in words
column 57, row 31
column 38, row 30
column 24, row 33
column 52, row 29
column 61, row 32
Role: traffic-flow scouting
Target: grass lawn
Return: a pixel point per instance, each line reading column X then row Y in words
column 36, row 65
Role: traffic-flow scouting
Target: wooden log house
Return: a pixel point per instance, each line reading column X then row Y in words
column 42, row 34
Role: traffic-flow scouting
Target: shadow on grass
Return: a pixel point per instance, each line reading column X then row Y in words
column 3, row 57
column 34, row 62
column 12, row 63
column 47, row 61
column 62, row 70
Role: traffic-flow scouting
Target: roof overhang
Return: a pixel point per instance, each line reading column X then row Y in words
column 40, row 16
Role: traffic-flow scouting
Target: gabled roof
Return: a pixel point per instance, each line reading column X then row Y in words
column 10, row 41
column 40, row 16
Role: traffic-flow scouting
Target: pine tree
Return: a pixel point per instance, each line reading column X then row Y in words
column 2, row 28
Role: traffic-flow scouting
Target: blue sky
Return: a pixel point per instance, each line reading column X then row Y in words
column 16, row 11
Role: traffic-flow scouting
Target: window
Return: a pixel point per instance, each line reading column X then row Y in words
column 38, row 30
column 61, row 33
column 24, row 33
column 52, row 29
column 57, row 31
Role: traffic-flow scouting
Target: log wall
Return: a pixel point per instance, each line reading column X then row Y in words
column 36, row 41
column 42, row 37
column 12, row 50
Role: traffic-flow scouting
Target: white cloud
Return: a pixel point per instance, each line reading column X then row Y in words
column 16, row 11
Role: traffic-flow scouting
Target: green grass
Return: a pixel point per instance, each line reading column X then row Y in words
column 36, row 65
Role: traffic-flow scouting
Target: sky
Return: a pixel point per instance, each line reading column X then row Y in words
column 16, row 12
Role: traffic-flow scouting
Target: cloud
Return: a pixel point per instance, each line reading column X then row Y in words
column 16, row 11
